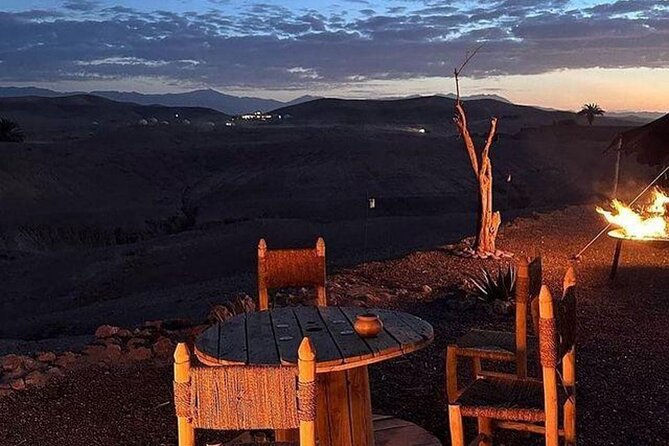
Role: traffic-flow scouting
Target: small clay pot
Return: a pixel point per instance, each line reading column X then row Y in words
column 368, row 325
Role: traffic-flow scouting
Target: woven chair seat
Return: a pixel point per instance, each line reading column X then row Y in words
column 269, row 444
column 506, row 399
column 496, row 345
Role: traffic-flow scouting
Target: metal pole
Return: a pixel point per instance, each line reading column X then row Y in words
column 631, row 203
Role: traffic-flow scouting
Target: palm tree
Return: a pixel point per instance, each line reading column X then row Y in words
column 590, row 111
column 10, row 131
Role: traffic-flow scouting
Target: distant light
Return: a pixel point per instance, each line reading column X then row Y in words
column 371, row 203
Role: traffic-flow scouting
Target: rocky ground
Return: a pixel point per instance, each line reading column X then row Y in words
column 118, row 389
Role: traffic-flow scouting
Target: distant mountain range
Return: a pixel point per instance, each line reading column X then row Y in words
column 235, row 105
column 228, row 104
column 225, row 103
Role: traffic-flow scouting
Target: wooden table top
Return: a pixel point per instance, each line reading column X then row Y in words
column 272, row 337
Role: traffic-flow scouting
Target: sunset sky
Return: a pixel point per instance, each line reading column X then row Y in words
column 553, row 53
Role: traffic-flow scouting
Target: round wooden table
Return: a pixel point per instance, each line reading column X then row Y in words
column 344, row 401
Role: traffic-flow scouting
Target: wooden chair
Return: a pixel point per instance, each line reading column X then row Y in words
column 500, row 345
column 528, row 405
column 281, row 268
column 246, row 397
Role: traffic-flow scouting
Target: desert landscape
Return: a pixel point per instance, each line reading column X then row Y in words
column 94, row 216
column 349, row 223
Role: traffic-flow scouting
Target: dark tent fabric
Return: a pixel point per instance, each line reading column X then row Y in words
column 650, row 142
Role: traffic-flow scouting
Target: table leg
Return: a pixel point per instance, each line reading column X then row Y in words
column 616, row 260
column 344, row 416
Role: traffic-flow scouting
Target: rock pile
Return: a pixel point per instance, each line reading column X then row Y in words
column 112, row 347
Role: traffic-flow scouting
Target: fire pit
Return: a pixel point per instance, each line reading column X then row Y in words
column 648, row 225
column 621, row 237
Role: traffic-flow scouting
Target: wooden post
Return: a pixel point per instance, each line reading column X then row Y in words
column 522, row 297
column 321, row 300
column 549, row 374
column 182, row 375
column 263, row 295
column 457, row 430
column 616, row 174
column 307, row 375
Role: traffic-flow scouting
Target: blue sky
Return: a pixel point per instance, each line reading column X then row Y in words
column 548, row 52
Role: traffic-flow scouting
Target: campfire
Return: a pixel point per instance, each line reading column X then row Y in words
column 649, row 222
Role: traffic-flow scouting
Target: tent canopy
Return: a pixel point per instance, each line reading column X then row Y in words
column 650, row 142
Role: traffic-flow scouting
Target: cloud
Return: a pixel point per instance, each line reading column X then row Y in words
column 81, row 5
column 263, row 45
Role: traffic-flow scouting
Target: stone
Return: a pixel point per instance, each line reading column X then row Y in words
column 30, row 364
column 11, row 363
column 136, row 342
column 66, row 359
column 139, row 354
column 105, row 331
column 163, row 347
column 94, row 351
column 54, row 372
column 18, row 384
column 46, row 357
column 124, row 333
column 111, row 341
column 35, row 379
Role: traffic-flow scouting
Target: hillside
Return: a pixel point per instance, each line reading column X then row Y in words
column 434, row 112
column 85, row 113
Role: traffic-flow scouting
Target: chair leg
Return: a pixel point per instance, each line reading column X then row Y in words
column 186, row 432
column 569, row 423
column 485, row 429
column 457, row 430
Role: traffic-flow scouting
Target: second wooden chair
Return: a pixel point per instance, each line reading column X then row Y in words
column 500, row 345
column 527, row 405
column 284, row 268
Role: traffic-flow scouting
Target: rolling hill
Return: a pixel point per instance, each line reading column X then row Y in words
column 84, row 112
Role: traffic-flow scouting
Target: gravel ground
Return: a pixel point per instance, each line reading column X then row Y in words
column 622, row 351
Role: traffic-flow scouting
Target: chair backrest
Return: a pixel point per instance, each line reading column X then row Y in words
column 557, row 338
column 528, row 284
column 248, row 397
column 281, row 268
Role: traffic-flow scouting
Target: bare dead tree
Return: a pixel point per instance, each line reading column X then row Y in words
column 488, row 221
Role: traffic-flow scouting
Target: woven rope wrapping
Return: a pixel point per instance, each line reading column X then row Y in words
column 244, row 397
column 306, row 397
column 182, row 399
column 548, row 343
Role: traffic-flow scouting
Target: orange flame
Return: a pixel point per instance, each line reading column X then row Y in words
column 647, row 222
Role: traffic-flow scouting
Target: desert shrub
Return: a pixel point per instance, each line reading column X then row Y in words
column 184, row 220
column 49, row 237
column 491, row 286
column 10, row 131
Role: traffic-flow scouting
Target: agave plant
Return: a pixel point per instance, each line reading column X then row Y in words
column 10, row 131
column 494, row 285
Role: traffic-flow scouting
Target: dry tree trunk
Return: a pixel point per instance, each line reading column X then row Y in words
column 488, row 221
